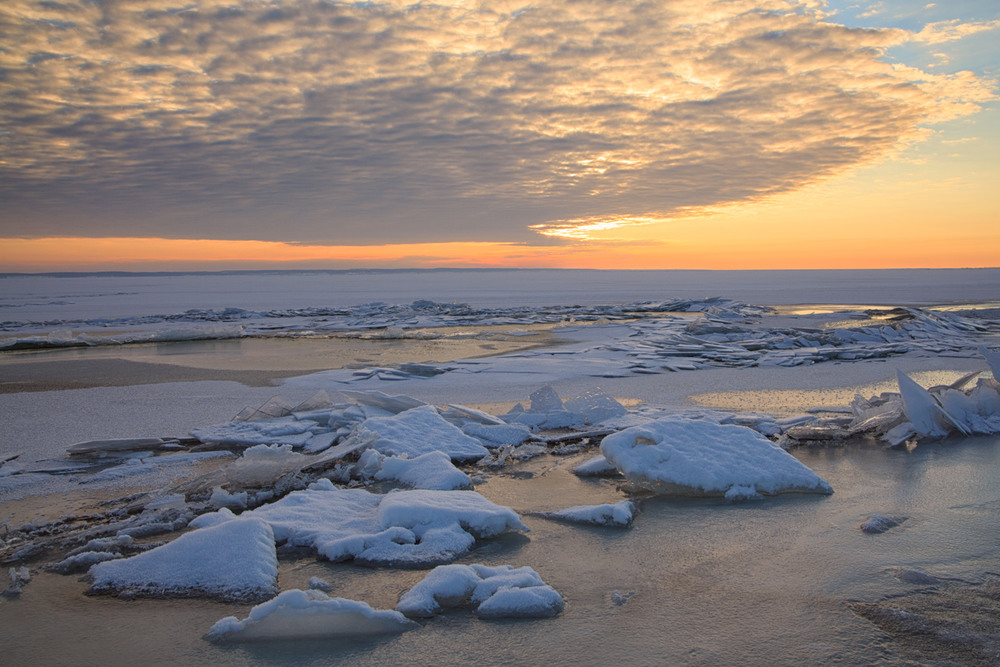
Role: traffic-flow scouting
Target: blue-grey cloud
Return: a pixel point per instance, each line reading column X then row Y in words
column 323, row 121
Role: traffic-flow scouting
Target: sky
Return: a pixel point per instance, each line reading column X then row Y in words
column 663, row 134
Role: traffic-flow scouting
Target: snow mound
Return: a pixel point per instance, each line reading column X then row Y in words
column 433, row 470
column 235, row 560
column 495, row 592
column 311, row 614
column 619, row 514
column 417, row 528
column 677, row 456
column 421, row 430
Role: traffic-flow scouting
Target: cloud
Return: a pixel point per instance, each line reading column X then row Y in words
column 949, row 31
column 391, row 121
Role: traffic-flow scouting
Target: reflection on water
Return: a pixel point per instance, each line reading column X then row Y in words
column 715, row 583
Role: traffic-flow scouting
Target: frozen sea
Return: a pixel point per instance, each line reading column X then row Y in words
column 695, row 581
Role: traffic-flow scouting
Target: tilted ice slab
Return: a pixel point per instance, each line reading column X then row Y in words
column 283, row 430
column 494, row 592
column 916, row 412
column 312, row 614
column 421, row 430
column 690, row 457
column 405, row 528
column 235, row 560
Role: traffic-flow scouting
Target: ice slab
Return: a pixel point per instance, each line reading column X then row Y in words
column 403, row 528
column 494, row 592
column 377, row 399
column 235, row 560
column 618, row 515
column 99, row 447
column 421, row 430
column 689, row 457
column 596, row 466
column 433, row 470
column 280, row 430
column 311, row 614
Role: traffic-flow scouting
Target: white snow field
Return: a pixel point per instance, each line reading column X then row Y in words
column 328, row 497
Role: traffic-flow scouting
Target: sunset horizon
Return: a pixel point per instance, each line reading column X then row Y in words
column 753, row 134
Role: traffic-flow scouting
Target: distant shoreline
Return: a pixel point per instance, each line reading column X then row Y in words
column 498, row 269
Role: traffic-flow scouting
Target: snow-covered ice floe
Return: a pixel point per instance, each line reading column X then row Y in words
column 691, row 457
column 494, row 592
column 403, row 528
column 421, row 430
column 235, row 560
column 312, row 614
column 433, row 470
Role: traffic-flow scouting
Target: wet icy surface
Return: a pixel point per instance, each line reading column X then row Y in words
column 714, row 582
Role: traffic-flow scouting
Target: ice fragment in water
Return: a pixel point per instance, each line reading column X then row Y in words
column 98, row 447
column 618, row 515
column 494, row 592
column 690, row 457
column 879, row 523
column 596, row 466
column 311, row 614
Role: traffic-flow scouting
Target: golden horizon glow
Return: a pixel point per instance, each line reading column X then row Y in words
column 146, row 254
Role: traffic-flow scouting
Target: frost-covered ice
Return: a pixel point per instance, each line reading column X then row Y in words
column 693, row 457
column 494, row 592
column 234, row 560
column 617, row 515
column 311, row 614
column 401, row 528
column 421, row 430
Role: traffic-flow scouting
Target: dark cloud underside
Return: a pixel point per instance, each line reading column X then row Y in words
column 325, row 121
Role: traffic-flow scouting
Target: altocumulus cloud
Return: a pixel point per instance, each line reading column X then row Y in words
column 392, row 121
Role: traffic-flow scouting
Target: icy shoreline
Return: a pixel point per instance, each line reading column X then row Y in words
column 657, row 355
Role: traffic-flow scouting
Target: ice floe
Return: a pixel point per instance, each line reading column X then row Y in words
column 421, row 430
column 311, row 614
column 696, row 458
column 403, row 528
column 234, row 560
column 433, row 470
column 880, row 523
column 494, row 592
column 618, row 515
